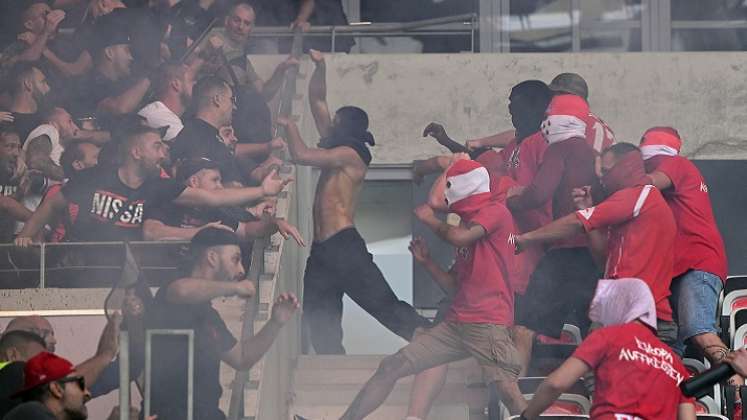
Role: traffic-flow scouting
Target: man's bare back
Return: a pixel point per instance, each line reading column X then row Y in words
column 336, row 198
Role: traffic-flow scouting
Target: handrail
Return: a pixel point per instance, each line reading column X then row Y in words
column 465, row 18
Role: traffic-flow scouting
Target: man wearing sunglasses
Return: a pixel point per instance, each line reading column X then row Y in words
column 52, row 390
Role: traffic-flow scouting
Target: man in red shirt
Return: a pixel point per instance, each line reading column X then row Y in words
column 478, row 322
column 632, row 232
column 636, row 375
column 563, row 279
column 700, row 265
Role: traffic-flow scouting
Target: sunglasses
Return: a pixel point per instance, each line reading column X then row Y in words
column 81, row 381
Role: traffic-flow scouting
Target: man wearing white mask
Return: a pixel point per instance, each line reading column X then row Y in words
column 636, row 375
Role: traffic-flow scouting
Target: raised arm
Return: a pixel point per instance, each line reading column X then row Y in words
column 318, row 94
column 438, row 132
column 107, row 349
column 193, row 290
column 321, row 158
column 156, row 230
column 455, row 235
column 271, row 87
column 248, row 352
column 48, row 209
column 304, row 13
column 80, row 66
column 128, row 101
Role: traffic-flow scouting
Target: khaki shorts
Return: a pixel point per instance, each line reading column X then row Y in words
column 448, row 341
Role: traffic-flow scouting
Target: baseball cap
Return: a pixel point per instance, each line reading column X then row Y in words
column 570, row 83
column 107, row 38
column 190, row 167
column 42, row 369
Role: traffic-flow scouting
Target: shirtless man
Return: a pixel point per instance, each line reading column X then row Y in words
column 339, row 262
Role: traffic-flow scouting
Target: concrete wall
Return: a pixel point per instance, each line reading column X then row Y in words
column 700, row 94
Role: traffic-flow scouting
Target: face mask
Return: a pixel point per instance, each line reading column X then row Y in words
column 557, row 128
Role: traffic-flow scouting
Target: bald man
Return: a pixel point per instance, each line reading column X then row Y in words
column 34, row 324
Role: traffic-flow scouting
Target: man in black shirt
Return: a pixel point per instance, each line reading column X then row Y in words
column 113, row 200
column 112, row 89
column 200, row 138
column 29, row 88
column 215, row 271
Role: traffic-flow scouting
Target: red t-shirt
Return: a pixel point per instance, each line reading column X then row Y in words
column 640, row 241
column 484, row 270
column 699, row 243
column 598, row 133
column 635, row 373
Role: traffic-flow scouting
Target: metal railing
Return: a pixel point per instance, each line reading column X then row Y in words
column 457, row 25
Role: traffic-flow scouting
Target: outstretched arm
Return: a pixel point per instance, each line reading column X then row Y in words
column 227, row 197
column 318, row 94
column 565, row 227
column 248, row 352
column 438, row 132
column 271, row 87
column 496, row 140
column 194, row 290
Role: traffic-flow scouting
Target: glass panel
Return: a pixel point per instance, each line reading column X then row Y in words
column 611, row 25
column 540, row 26
column 702, row 25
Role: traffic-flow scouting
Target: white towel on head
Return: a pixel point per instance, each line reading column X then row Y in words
column 621, row 301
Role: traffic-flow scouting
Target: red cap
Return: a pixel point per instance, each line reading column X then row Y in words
column 571, row 105
column 662, row 136
column 42, row 369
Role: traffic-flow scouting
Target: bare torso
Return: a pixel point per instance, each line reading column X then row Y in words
column 336, row 199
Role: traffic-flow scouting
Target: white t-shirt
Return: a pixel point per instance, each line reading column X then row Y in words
column 158, row 115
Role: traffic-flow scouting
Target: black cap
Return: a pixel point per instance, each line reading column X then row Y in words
column 190, row 167
column 108, row 37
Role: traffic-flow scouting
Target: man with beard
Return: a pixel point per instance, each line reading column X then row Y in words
column 12, row 185
column 339, row 262
column 53, row 390
column 28, row 88
column 113, row 200
column 173, row 93
column 631, row 233
column 215, row 270
column 45, row 144
column 112, row 88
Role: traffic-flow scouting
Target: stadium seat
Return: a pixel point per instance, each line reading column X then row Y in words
column 571, row 334
column 711, row 417
column 733, row 301
column 735, row 283
column 737, row 318
column 706, row 405
column 529, row 384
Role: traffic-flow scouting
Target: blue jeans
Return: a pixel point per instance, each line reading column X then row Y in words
column 694, row 302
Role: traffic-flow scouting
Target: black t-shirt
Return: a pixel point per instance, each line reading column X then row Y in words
column 212, row 339
column 198, row 139
column 32, row 410
column 25, row 123
column 109, row 209
column 11, row 381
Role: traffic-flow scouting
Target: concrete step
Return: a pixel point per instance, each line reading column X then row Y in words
column 333, row 395
column 387, row 412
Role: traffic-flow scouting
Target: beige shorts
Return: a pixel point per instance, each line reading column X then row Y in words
column 490, row 344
